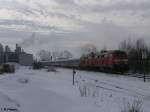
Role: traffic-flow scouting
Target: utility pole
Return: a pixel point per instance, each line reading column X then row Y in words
column 74, row 72
column 144, row 59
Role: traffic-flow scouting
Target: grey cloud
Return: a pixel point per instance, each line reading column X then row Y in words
column 120, row 6
column 103, row 34
column 18, row 7
column 106, row 33
column 27, row 23
column 41, row 9
column 70, row 2
column 146, row 14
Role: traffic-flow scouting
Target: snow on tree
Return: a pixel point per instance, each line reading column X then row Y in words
column 59, row 55
column 88, row 48
column 67, row 54
column 135, row 50
column 44, row 55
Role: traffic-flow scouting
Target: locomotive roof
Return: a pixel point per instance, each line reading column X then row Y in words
column 104, row 52
column 111, row 51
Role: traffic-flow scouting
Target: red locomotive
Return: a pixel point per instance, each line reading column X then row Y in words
column 114, row 60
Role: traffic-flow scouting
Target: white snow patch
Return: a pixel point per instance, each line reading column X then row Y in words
column 42, row 91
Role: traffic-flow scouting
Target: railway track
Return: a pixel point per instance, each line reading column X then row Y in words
column 136, row 75
column 147, row 76
column 108, row 86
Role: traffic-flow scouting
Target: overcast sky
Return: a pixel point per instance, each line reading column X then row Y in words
column 69, row 24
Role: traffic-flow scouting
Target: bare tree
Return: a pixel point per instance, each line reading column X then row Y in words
column 55, row 55
column 135, row 51
column 126, row 45
column 44, row 55
column 88, row 48
column 60, row 55
column 67, row 54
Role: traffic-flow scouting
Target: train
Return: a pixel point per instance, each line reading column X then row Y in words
column 113, row 61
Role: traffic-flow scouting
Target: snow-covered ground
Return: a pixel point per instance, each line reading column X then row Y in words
column 40, row 91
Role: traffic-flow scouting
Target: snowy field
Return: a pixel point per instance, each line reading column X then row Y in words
column 41, row 91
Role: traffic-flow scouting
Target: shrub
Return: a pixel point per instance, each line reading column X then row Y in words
column 37, row 65
column 88, row 89
column 136, row 106
column 51, row 69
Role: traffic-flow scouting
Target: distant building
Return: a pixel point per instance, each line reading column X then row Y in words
column 18, row 49
column 18, row 56
column 1, row 58
column 1, row 54
column 25, row 59
column 1, row 48
column 7, row 49
column 11, row 57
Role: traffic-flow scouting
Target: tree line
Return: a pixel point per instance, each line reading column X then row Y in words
column 45, row 55
column 138, row 54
